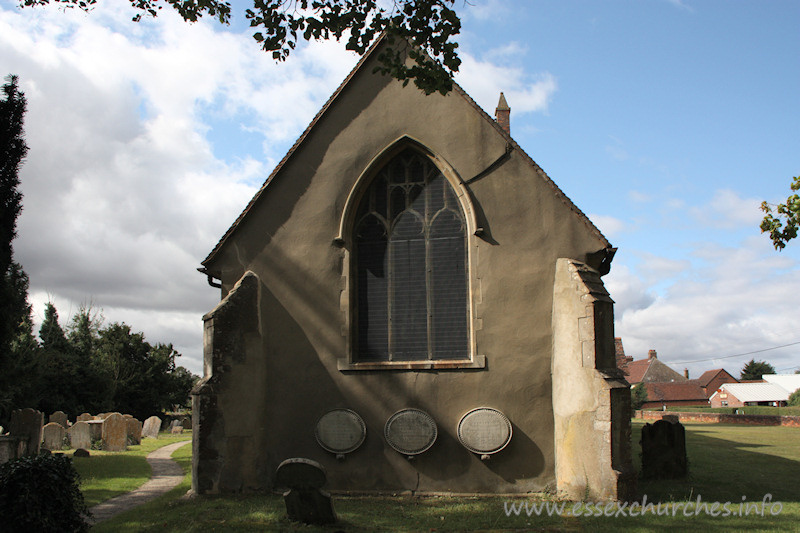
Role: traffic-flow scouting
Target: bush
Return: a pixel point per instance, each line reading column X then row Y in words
column 41, row 494
column 794, row 399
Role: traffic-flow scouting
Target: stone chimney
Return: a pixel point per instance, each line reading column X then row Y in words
column 503, row 114
column 652, row 354
column 686, row 373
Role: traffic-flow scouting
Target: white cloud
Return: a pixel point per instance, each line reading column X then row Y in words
column 608, row 225
column 734, row 301
column 123, row 194
column 485, row 80
column 728, row 210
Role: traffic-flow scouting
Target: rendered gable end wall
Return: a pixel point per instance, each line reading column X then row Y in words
column 274, row 395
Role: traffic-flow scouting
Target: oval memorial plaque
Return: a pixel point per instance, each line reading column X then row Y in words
column 484, row 430
column 340, row 431
column 410, row 431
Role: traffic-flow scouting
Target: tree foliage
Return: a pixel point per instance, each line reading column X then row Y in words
column 794, row 399
column 753, row 370
column 42, row 494
column 92, row 367
column 782, row 227
column 14, row 309
column 638, row 396
column 421, row 30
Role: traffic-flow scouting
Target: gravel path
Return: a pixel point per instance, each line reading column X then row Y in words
column 166, row 475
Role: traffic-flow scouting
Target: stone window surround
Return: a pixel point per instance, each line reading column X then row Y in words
column 344, row 240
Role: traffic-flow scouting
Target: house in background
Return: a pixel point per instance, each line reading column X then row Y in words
column 741, row 394
column 651, row 370
column 790, row 382
column 671, row 394
column 409, row 283
column 711, row 380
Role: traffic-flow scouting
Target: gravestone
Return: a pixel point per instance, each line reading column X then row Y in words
column 95, row 429
column 664, row 450
column 80, row 435
column 186, row 422
column 80, row 452
column 151, row 427
column 27, row 425
column 134, row 428
column 60, row 417
column 53, row 436
column 85, row 417
column 115, row 433
column 177, row 430
column 304, row 500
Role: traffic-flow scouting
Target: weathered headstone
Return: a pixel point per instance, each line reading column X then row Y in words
column 53, row 436
column 177, row 430
column 186, row 422
column 84, row 417
column 80, row 452
column 95, row 429
column 134, row 428
column 151, row 427
column 115, row 433
column 27, row 425
column 60, row 417
column 664, row 450
column 80, row 435
column 304, row 500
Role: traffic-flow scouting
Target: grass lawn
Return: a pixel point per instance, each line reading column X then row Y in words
column 108, row 474
column 726, row 462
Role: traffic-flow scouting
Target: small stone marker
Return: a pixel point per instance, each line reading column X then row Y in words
column 151, row 427
column 80, row 452
column 95, row 429
column 304, row 500
column 134, row 429
column 176, row 430
column 80, row 435
column 53, row 436
column 115, row 433
column 85, row 417
column 60, row 417
column 664, row 451
column 27, row 425
column 186, row 422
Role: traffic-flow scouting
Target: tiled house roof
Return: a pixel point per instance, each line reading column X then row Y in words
column 666, row 392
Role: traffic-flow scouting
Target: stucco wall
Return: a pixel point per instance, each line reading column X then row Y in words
column 286, row 239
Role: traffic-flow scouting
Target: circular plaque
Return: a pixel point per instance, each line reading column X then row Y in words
column 410, row 431
column 484, row 430
column 340, row 431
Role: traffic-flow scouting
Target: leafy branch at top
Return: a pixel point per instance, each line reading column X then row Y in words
column 783, row 227
column 420, row 30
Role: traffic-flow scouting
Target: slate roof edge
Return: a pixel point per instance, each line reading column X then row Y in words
column 561, row 195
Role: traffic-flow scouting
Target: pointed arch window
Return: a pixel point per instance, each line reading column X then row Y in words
column 410, row 250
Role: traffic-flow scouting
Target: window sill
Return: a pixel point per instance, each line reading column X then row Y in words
column 447, row 364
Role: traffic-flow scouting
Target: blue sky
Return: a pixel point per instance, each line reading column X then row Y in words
column 667, row 122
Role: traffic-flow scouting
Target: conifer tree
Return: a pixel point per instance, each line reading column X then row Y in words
column 14, row 308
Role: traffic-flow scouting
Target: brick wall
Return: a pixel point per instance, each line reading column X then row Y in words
column 723, row 418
